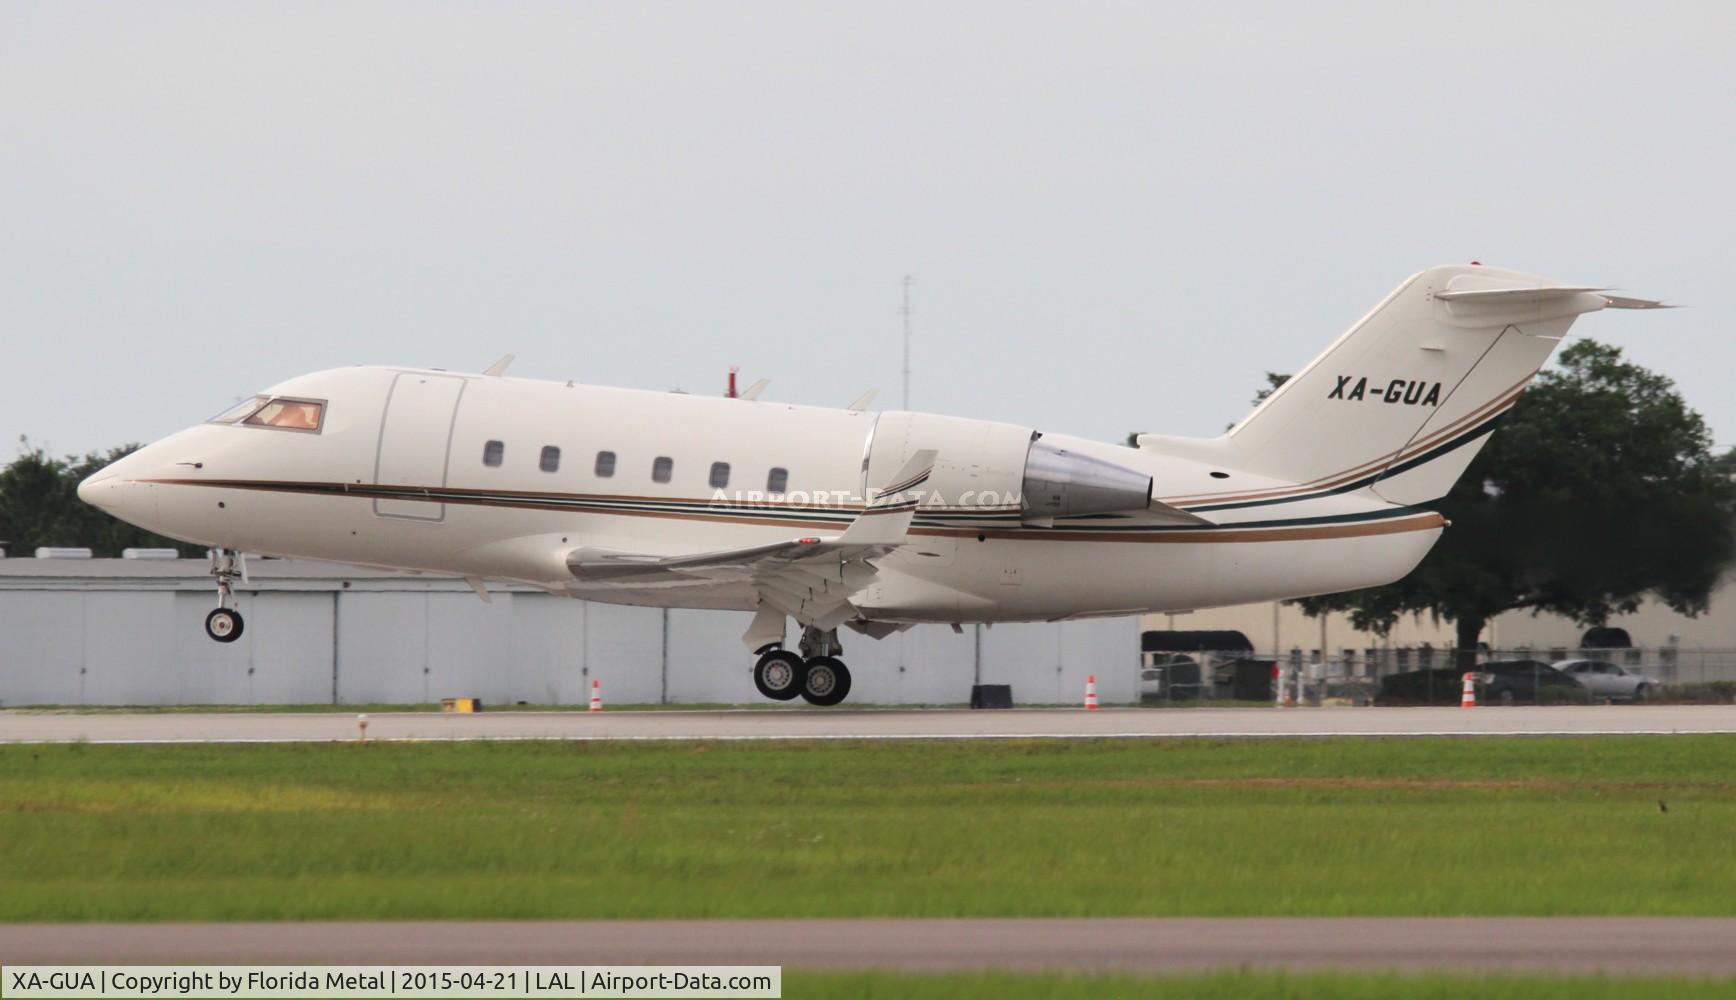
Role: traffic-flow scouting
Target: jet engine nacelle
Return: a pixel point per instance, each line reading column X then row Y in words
column 987, row 467
column 1059, row 483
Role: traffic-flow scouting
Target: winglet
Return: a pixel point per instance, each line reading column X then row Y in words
column 1627, row 302
column 753, row 391
column 890, row 510
column 499, row 367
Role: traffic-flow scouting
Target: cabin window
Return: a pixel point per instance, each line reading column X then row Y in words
column 719, row 475
column 550, row 460
column 778, row 481
column 493, row 452
column 605, row 464
column 662, row 469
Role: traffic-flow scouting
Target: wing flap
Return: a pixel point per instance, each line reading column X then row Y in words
column 810, row 579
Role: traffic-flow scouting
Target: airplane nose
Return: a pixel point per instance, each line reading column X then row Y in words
column 95, row 490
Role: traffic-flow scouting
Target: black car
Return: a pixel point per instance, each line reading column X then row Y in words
column 1440, row 686
column 1505, row 682
column 1499, row 682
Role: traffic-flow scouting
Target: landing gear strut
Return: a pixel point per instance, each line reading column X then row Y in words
column 224, row 623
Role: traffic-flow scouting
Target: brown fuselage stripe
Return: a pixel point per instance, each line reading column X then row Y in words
column 1417, row 447
column 1314, row 532
column 1354, row 529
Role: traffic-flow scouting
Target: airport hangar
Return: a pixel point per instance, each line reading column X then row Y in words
column 129, row 632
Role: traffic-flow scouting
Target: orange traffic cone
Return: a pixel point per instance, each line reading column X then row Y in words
column 596, row 696
column 1468, row 699
column 1091, row 693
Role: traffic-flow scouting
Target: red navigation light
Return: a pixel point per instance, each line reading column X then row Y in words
column 807, row 541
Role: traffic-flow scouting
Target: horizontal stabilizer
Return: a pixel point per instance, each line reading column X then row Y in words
column 1624, row 302
column 1534, row 294
column 1546, row 293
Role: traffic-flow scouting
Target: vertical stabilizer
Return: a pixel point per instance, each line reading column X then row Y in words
column 1403, row 400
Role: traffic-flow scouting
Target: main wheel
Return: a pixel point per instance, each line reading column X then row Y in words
column 223, row 624
column 827, row 681
column 779, row 675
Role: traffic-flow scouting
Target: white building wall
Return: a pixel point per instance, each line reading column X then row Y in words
column 1276, row 627
column 97, row 640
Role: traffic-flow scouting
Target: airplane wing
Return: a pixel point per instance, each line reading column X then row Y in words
column 810, row 579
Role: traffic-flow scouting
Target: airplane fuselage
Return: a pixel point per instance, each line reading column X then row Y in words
column 490, row 477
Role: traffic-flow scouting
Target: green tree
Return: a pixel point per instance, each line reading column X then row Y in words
column 39, row 505
column 1273, row 381
column 1599, row 489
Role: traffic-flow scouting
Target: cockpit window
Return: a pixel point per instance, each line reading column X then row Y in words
column 289, row 414
column 276, row 412
column 239, row 410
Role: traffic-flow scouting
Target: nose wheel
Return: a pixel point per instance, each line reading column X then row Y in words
column 224, row 623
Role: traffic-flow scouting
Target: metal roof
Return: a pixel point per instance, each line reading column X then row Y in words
column 195, row 574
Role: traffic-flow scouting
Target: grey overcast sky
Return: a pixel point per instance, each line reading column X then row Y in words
column 1118, row 215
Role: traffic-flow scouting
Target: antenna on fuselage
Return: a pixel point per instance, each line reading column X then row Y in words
column 904, row 311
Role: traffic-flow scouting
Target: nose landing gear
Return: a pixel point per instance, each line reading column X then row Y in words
column 224, row 623
column 817, row 676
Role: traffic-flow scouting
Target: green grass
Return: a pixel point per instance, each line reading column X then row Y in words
column 1243, row 986
column 1012, row 828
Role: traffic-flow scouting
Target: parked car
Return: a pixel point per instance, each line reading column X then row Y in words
column 1170, row 677
column 1507, row 681
column 1439, row 686
column 1501, row 682
column 1606, row 680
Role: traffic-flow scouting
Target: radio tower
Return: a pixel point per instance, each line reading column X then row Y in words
column 904, row 311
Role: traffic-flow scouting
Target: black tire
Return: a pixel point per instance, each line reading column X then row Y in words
column 224, row 624
column 826, row 682
column 1642, row 693
column 1508, row 697
column 779, row 675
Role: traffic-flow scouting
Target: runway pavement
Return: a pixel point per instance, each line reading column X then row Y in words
column 784, row 724
column 1658, row 945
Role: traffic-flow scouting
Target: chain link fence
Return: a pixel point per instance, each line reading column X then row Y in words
column 1429, row 674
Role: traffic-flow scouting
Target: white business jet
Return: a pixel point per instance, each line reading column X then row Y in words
column 875, row 521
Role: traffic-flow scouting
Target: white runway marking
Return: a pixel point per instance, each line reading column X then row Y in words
column 799, row 724
column 1647, row 945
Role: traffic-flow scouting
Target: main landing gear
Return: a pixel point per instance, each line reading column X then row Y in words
column 817, row 675
column 224, row 623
